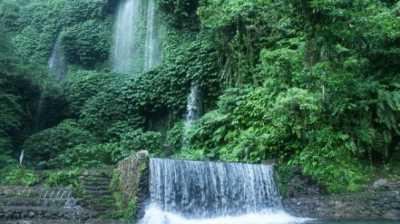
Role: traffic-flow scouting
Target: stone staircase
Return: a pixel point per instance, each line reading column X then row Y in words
column 42, row 205
column 97, row 195
column 19, row 203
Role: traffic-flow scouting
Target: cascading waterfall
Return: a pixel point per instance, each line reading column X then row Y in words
column 137, row 38
column 191, row 192
column 152, row 53
column 193, row 106
column 57, row 62
column 193, row 110
column 125, row 36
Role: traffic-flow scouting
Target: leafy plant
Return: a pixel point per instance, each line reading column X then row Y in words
column 18, row 176
column 47, row 144
column 63, row 178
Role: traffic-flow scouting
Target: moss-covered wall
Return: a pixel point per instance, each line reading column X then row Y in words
column 128, row 184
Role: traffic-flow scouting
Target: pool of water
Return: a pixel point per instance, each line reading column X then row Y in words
column 155, row 215
column 121, row 222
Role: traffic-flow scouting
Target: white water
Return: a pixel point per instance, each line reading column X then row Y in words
column 125, row 36
column 137, row 41
column 193, row 112
column 152, row 53
column 189, row 192
column 193, row 107
column 57, row 62
column 155, row 215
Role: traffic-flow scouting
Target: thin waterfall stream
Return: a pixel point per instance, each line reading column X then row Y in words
column 193, row 111
column 57, row 64
column 194, row 192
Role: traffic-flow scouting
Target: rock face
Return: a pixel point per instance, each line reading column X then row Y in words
column 381, row 201
column 365, row 205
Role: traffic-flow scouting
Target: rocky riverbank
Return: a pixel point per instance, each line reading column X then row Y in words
column 379, row 201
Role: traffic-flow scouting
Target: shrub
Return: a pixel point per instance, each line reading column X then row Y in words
column 11, row 114
column 138, row 140
column 329, row 159
column 64, row 178
column 181, row 13
column 18, row 176
column 175, row 136
column 47, row 144
column 82, row 85
column 110, row 108
column 87, row 155
column 87, row 44
column 6, row 149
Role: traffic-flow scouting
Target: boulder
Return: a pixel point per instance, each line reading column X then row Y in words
column 381, row 184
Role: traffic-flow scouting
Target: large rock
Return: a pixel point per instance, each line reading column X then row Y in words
column 381, row 184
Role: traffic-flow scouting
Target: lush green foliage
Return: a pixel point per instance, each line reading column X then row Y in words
column 47, row 144
column 39, row 23
column 18, row 176
column 324, row 100
column 314, row 84
column 63, row 178
column 82, row 85
column 180, row 13
column 87, row 44
column 137, row 100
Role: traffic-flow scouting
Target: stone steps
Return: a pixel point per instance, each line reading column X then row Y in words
column 24, row 212
column 18, row 201
column 33, row 203
column 96, row 189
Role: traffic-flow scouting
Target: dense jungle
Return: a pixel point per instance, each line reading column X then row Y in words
column 310, row 85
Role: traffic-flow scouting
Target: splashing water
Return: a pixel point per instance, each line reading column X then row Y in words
column 190, row 192
column 155, row 215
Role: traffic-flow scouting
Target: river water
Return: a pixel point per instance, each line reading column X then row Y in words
column 195, row 192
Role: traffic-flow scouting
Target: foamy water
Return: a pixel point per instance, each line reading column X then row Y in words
column 154, row 215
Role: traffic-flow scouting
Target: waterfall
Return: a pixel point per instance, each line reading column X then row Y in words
column 183, row 192
column 152, row 53
column 125, row 38
column 193, row 107
column 193, row 111
column 57, row 62
column 137, row 40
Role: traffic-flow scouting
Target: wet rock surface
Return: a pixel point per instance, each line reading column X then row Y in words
column 380, row 201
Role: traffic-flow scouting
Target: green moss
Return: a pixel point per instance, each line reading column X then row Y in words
column 123, row 208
